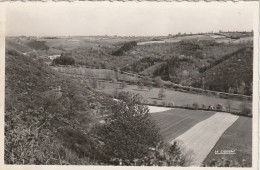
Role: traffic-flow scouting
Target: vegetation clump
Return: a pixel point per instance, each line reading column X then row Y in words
column 64, row 60
column 126, row 47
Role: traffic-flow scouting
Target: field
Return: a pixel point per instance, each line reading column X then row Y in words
column 239, row 138
column 175, row 97
column 202, row 137
column 175, row 122
column 202, row 133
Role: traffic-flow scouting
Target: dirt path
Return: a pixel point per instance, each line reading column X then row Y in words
column 157, row 109
column 203, row 136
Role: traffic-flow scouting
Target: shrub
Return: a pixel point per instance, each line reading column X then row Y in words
column 161, row 94
column 171, row 104
column 195, row 105
column 114, row 80
column 122, row 85
column 164, row 103
column 140, row 86
column 115, row 93
column 203, row 106
column 161, row 155
column 12, row 52
column 126, row 47
column 247, row 111
column 93, row 83
column 64, row 60
column 149, row 87
column 211, row 107
column 220, row 107
column 223, row 162
column 158, row 81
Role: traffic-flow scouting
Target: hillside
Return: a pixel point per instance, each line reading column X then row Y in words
column 47, row 117
column 54, row 119
column 234, row 73
column 17, row 45
column 187, row 62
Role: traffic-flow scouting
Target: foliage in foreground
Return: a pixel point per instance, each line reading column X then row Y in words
column 128, row 130
column 225, row 163
column 162, row 155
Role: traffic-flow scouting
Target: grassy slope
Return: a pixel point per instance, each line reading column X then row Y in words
column 42, row 124
column 175, row 122
column 238, row 137
column 17, row 45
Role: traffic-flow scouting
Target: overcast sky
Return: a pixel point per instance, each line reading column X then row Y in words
column 131, row 18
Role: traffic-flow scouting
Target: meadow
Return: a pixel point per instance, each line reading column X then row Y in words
column 176, row 98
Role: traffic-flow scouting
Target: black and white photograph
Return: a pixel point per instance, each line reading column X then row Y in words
column 101, row 84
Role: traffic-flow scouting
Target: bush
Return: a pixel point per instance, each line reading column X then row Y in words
column 247, row 111
column 211, row 107
column 64, row 60
column 220, row 107
column 158, row 81
column 171, row 104
column 164, row 103
column 122, row 85
column 155, row 102
column 161, row 155
column 114, row 80
column 161, row 94
column 223, row 162
column 12, row 52
column 203, row 106
column 195, row 105
column 149, row 87
column 140, row 86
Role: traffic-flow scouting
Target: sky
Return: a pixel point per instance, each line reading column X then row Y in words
column 126, row 19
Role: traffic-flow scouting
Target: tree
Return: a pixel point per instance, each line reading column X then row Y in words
column 128, row 131
column 230, row 90
column 161, row 94
column 140, row 86
column 115, row 93
column 149, row 87
column 245, row 109
column 220, row 107
column 146, row 80
column 94, row 83
column 158, row 81
column 241, row 89
column 164, row 103
column 64, row 59
column 228, row 104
